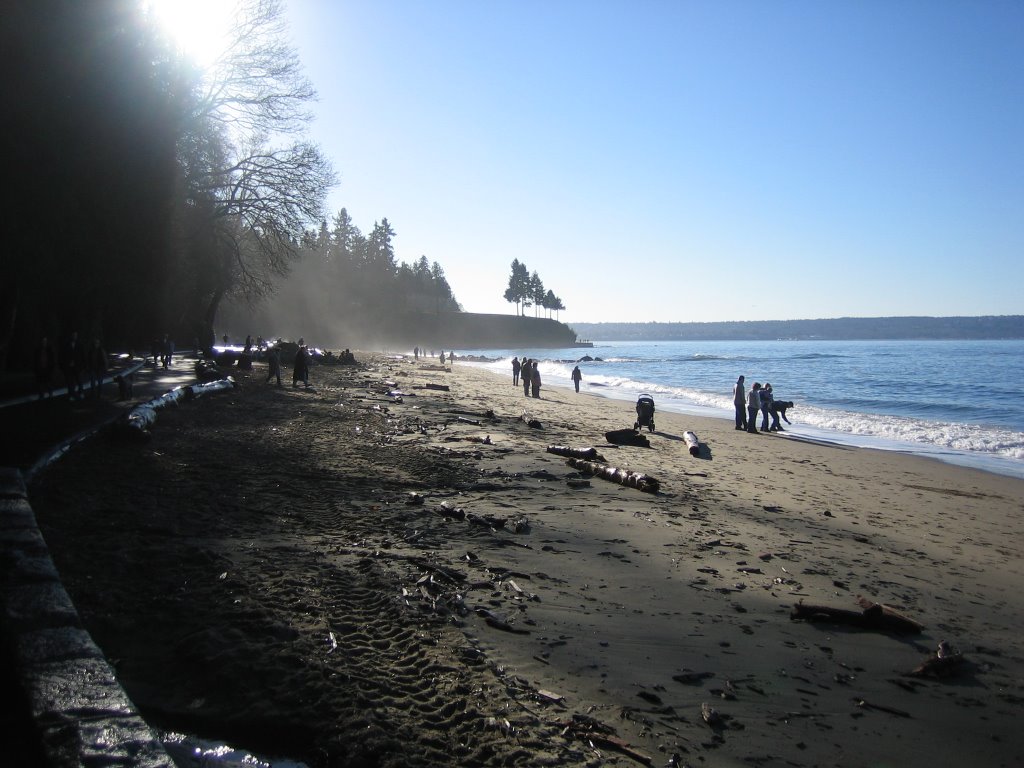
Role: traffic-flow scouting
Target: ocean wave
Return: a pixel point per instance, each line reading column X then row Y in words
column 938, row 400
column 817, row 356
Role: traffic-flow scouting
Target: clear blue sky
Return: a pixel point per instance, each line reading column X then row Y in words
column 685, row 161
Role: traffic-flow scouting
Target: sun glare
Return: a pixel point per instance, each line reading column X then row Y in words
column 198, row 27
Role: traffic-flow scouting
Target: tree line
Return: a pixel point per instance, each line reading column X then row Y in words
column 345, row 283
column 526, row 289
column 144, row 192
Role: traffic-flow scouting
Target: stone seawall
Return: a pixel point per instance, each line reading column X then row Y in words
column 82, row 715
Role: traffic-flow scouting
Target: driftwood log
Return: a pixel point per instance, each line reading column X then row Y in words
column 140, row 418
column 590, row 454
column 692, row 443
column 627, row 437
column 873, row 616
column 625, row 477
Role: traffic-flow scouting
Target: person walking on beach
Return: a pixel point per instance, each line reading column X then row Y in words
column 168, row 350
column 71, row 364
column 516, row 367
column 97, row 364
column 300, row 371
column 526, row 374
column 739, row 401
column 766, row 405
column 274, row 364
column 753, row 406
column 535, row 380
column 576, row 376
column 44, row 360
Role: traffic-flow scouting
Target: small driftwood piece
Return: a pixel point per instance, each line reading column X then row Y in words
column 873, row 616
column 625, row 477
column 497, row 622
column 601, row 736
column 945, row 662
column 590, row 454
column 692, row 443
column 439, row 387
column 862, row 704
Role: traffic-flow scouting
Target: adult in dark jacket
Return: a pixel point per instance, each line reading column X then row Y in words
column 739, row 401
column 71, row 365
column 300, row 372
column 44, row 362
column 766, row 405
column 97, row 364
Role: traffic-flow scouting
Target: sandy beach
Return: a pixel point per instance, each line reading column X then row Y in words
column 350, row 578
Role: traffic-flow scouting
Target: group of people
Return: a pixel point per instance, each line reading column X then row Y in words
column 418, row 352
column 748, row 404
column 300, row 367
column 73, row 360
column 528, row 372
column 162, row 351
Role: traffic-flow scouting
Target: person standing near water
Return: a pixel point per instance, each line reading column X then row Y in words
column 526, row 374
column 516, row 367
column 535, row 379
column 766, row 405
column 753, row 406
column 739, row 401
column 576, row 376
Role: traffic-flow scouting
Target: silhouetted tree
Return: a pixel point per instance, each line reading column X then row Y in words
column 536, row 292
column 258, row 197
column 518, row 291
column 92, row 103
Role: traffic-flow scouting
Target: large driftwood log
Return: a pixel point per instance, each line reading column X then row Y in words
column 625, row 477
column 873, row 616
column 590, row 454
column 140, row 418
column 692, row 443
column 627, row 437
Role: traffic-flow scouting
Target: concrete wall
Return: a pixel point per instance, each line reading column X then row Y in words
column 80, row 713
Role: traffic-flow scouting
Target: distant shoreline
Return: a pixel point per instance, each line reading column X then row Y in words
column 983, row 328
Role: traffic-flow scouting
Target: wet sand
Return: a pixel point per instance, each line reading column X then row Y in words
column 334, row 576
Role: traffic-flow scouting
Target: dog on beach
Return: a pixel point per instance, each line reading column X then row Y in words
column 780, row 407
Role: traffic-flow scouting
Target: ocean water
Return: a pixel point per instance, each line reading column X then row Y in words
column 958, row 401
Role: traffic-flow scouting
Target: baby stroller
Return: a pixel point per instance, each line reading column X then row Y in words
column 644, row 413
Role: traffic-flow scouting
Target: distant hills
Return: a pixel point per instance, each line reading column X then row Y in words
column 840, row 328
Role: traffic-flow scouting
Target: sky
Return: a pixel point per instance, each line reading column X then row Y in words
column 674, row 160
